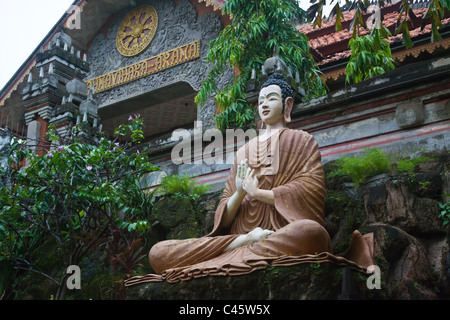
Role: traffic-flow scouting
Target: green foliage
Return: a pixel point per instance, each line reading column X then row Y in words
column 359, row 168
column 140, row 225
column 435, row 12
column 316, row 268
column 256, row 29
column 371, row 56
column 315, row 14
column 133, row 128
column 236, row 115
column 444, row 213
column 407, row 165
column 134, row 201
column 73, row 195
column 182, row 186
column 375, row 161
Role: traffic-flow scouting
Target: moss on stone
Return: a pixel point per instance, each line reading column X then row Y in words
column 343, row 215
column 178, row 217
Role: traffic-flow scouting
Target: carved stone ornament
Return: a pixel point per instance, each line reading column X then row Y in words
column 178, row 25
column 137, row 30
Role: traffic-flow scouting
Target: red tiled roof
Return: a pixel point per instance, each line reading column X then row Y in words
column 330, row 46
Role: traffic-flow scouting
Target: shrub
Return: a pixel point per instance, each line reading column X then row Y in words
column 407, row 165
column 373, row 162
column 371, row 56
column 71, row 197
column 359, row 168
column 182, row 186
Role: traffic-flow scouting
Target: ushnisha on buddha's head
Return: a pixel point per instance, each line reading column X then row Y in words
column 276, row 99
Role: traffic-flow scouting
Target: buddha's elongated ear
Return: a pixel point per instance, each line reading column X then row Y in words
column 260, row 125
column 288, row 105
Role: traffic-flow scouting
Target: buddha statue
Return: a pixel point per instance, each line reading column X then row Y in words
column 272, row 208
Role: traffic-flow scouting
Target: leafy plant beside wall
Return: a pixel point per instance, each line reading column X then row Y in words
column 407, row 165
column 182, row 186
column 360, row 168
column 371, row 163
column 371, row 56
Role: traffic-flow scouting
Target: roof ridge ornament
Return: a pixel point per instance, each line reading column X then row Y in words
column 273, row 65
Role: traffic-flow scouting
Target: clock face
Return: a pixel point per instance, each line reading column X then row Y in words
column 137, row 30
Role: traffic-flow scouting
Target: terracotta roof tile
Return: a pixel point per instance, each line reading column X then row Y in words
column 336, row 57
column 333, row 46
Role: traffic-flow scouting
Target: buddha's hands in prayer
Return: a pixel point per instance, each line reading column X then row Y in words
column 246, row 183
column 246, row 180
column 241, row 175
column 235, row 200
column 251, row 183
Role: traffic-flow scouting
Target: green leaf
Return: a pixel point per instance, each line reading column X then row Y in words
column 435, row 36
column 407, row 38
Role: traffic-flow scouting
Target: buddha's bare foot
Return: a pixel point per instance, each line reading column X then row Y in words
column 258, row 234
column 255, row 235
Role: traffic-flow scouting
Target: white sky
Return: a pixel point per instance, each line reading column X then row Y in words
column 25, row 23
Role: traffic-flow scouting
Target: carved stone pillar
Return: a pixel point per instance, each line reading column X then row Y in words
column 33, row 135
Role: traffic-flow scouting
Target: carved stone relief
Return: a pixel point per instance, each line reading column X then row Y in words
column 177, row 25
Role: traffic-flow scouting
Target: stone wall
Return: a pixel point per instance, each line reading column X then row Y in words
column 411, row 243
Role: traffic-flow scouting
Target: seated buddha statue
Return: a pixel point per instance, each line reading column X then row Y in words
column 272, row 208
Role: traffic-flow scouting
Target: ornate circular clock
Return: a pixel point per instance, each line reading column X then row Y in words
column 137, row 30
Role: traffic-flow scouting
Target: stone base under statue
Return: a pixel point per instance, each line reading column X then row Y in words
column 359, row 244
column 306, row 281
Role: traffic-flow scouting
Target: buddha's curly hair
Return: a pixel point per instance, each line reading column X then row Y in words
column 279, row 80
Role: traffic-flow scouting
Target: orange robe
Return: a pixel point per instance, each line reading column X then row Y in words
column 297, row 217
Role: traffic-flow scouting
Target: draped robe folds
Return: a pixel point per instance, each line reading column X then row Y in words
column 297, row 217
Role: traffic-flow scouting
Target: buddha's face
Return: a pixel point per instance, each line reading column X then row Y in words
column 270, row 105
